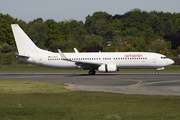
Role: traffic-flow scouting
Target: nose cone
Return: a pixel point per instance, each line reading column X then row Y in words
column 171, row 62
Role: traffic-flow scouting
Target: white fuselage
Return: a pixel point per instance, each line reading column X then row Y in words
column 122, row 60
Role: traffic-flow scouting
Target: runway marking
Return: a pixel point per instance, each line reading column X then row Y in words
column 164, row 90
column 174, row 90
column 134, row 85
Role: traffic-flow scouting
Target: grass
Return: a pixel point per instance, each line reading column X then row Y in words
column 34, row 69
column 38, row 69
column 169, row 69
column 22, row 100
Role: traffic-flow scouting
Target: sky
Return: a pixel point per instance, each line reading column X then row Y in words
column 60, row 10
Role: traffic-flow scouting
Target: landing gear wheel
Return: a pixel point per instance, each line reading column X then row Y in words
column 92, row 72
column 157, row 73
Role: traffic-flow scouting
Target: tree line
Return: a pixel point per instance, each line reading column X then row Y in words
column 135, row 30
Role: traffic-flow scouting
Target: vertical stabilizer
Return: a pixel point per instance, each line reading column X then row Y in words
column 24, row 44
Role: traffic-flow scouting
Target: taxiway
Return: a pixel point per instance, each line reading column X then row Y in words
column 136, row 83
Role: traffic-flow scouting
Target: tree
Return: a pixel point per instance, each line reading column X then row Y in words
column 54, row 35
column 100, row 27
column 79, row 35
column 148, row 35
column 174, row 39
column 37, row 31
column 94, row 48
column 100, row 16
column 117, row 25
column 127, row 48
column 7, row 59
column 54, row 47
column 135, row 19
column 132, row 32
column 141, row 46
column 6, row 35
column 111, row 48
column 0, row 47
column 173, row 53
column 167, row 27
column 88, row 23
column 178, row 50
column 6, row 48
column 94, row 37
column 177, row 26
column 164, row 52
column 155, row 23
column 160, row 47
column 72, row 44
column 67, row 27
column 96, row 16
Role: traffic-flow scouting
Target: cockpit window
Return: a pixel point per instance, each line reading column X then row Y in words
column 163, row 57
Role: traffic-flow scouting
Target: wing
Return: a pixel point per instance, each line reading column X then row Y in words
column 81, row 64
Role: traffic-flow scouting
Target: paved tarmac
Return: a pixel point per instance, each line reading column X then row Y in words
column 126, row 83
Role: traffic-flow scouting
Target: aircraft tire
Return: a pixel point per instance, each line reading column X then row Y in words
column 92, row 72
column 157, row 73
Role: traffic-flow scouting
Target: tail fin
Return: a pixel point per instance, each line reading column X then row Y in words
column 24, row 43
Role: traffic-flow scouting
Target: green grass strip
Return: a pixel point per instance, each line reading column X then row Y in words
column 23, row 100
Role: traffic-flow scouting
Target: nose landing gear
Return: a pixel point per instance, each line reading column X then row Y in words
column 157, row 73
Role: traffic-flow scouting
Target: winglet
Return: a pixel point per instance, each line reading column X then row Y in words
column 76, row 51
column 62, row 55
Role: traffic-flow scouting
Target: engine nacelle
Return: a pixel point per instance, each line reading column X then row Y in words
column 108, row 68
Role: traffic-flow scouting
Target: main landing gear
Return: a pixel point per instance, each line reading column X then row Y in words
column 92, row 72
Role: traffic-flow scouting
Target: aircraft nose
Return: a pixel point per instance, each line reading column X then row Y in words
column 171, row 62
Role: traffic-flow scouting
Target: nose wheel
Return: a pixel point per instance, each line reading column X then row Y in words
column 92, row 72
column 157, row 73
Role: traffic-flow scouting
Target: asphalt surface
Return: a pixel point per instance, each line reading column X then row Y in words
column 136, row 83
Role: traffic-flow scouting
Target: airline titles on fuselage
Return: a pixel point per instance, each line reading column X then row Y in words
column 133, row 56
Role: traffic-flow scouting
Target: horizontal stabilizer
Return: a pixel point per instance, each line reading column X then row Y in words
column 16, row 54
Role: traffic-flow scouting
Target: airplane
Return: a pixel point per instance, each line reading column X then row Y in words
column 92, row 61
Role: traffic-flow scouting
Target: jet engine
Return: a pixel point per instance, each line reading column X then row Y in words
column 108, row 68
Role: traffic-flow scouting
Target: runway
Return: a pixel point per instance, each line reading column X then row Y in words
column 126, row 83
